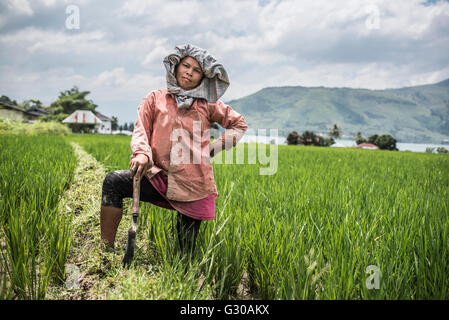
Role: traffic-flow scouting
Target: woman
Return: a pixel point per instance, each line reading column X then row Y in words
column 171, row 147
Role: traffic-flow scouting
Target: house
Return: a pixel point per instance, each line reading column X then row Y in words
column 367, row 146
column 102, row 124
column 12, row 112
column 83, row 117
column 36, row 112
column 106, row 124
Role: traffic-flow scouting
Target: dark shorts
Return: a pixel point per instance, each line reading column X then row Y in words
column 119, row 185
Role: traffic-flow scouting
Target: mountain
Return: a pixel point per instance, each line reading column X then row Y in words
column 418, row 114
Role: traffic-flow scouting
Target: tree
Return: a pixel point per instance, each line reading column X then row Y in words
column 30, row 104
column 293, row 138
column 114, row 123
column 335, row 132
column 326, row 142
column 359, row 139
column 125, row 126
column 7, row 101
column 72, row 100
column 54, row 117
column 386, row 142
column 68, row 102
column 131, row 126
column 372, row 139
column 36, row 103
column 442, row 150
column 309, row 138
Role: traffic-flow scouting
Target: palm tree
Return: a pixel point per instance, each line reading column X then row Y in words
column 335, row 132
column 359, row 139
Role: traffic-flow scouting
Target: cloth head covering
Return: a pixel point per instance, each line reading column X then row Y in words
column 213, row 85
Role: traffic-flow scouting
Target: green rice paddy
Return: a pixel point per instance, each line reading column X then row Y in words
column 310, row 231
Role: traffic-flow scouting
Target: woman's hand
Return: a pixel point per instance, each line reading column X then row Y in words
column 139, row 165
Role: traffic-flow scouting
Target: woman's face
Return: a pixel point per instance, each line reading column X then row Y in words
column 188, row 73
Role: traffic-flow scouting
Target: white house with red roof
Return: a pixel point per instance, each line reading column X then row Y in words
column 106, row 124
column 102, row 123
column 367, row 146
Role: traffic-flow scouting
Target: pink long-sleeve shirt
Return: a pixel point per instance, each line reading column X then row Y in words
column 178, row 141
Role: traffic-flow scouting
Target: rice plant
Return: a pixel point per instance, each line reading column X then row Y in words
column 35, row 237
column 311, row 230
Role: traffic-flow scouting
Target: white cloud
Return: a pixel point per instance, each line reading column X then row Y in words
column 113, row 78
column 428, row 77
column 2, row 20
column 49, row 3
column 163, row 13
column 111, row 84
column 20, row 7
column 120, row 84
column 119, row 48
column 378, row 75
column 34, row 39
column 157, row 53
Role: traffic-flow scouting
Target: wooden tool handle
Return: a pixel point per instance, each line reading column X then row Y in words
column 136, row 194
column 129, row 254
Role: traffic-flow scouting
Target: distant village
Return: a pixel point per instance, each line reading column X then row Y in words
column 84, row 119
column 80, row 116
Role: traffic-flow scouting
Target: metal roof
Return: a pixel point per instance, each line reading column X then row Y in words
column 103, row 117
column 82, row 116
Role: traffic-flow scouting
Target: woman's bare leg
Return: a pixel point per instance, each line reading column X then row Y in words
column 110, row 218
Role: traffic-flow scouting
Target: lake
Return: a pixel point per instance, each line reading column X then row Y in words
column 343, row 143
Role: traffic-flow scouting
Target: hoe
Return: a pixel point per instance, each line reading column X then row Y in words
column 129, row 254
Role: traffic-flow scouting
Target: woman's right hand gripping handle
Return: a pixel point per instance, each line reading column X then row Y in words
column 140, row 164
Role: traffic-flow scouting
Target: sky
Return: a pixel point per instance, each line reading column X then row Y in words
column 115, row 49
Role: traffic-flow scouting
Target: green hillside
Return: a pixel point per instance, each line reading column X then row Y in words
column 412, row 114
